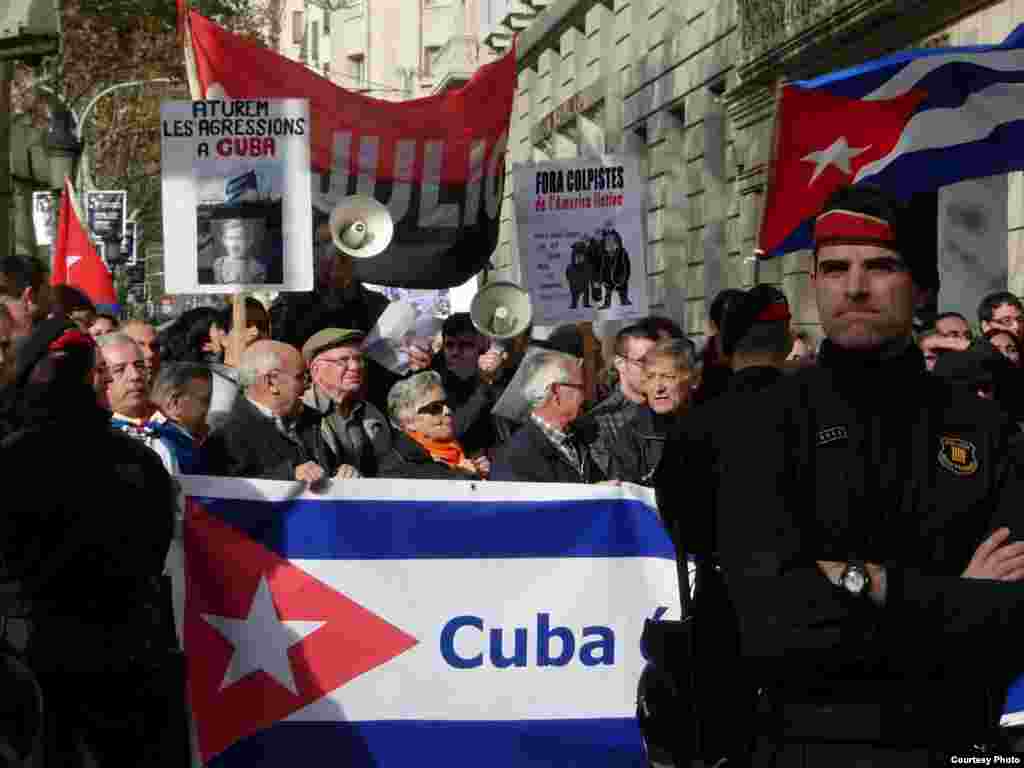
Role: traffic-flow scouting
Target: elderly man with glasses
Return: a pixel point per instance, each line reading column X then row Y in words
column 352, row 433
column 263, row 435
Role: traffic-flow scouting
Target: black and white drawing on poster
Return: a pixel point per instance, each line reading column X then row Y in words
column 581, row 239
column 237, row 197
column 105, row 213
column 45, row 207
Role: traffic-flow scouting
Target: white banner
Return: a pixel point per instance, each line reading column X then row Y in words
column 237, row 206
column 45, row 206
column 581, row 238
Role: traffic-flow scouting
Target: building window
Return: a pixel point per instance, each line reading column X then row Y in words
column 327, row 21
column 298, row 27
column 428, row 59
column 357, row 69
column 315, row 34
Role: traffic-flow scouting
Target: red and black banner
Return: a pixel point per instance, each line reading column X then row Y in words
column 437, row 163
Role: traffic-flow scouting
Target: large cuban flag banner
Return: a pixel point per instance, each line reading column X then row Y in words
column 412, row 622
column 911, row 122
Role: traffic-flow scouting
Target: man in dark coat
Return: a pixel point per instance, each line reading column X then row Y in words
column 262, row 437
column 88, row 552
column 546, row 449
column 856, row 506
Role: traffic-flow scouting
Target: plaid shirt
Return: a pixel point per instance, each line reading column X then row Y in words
column 611, row 414
column 561, row 441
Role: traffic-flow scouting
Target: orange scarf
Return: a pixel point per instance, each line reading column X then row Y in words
column 447, row 452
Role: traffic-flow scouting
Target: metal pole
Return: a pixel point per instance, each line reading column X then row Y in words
column 6, row 187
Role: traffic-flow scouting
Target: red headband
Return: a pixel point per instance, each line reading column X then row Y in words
column 71, row 338
column 839, row 226
column 773, row 312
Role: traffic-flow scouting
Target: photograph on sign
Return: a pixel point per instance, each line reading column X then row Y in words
column 45, row 206
column 237, row 198
column 105, row 214
column 581, row 238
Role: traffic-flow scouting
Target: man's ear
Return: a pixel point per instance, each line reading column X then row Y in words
column 252, row 335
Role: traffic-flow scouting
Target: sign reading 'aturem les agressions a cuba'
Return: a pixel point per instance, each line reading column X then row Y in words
column 393, row 620
column 437, row 163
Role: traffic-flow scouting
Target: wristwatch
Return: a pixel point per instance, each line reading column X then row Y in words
column 855, row 578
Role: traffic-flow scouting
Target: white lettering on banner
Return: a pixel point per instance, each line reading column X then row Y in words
column 597, row 646
column 431, row 213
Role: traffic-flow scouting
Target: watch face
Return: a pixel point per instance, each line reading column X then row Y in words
column 854, row 580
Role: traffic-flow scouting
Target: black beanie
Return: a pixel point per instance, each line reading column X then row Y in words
column 912, row 227
column 748, row 309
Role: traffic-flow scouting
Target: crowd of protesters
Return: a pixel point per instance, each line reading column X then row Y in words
column 787, row 467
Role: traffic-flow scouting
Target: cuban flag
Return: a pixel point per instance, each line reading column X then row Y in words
column 911, row 122
column 400, row 623
column 237, row 187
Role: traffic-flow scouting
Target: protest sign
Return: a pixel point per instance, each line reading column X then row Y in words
column 44, row 216
column 581, row 238
column 105, row 214
column 237, row 205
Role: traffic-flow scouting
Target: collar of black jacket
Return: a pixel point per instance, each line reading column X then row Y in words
column 894, row 363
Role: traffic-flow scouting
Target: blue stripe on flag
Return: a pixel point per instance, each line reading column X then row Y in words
column 399, row 530
column 609, row 743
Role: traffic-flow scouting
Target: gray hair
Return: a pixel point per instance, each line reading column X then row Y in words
column 174, row 378
column 115, row 339
column 255, row 364
column 405, row 393
column 541, row 371
column 677, row 351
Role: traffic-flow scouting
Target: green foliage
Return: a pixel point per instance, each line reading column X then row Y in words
column 124, row 13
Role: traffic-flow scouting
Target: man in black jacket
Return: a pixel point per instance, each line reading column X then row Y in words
column 262, row 437
column 856, row 506
column 546, row 449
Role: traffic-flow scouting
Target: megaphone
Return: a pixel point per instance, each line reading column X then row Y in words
column 361, row 227
column 502, row 311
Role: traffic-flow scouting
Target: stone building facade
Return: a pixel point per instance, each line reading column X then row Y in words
column 690, row 85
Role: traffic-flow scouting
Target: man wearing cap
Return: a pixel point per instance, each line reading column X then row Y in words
column 860, row 507
column 351, row 434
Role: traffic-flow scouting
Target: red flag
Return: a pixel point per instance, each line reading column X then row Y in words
column 437, row 162
column 75, row 261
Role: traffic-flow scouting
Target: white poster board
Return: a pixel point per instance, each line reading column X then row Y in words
column 237, row 208
column 45, row 207
column 581, row 238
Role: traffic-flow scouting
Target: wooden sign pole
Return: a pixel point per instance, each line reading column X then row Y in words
column 591, row 350
column 239, row 330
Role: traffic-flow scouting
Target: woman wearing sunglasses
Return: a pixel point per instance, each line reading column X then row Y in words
column 424, row 447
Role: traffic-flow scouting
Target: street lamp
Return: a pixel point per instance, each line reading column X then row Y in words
column 62, row 146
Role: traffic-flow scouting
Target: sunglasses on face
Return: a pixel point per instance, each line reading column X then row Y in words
column 436, row 408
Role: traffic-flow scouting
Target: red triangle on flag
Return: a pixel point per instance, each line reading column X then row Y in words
column 232, row 695
column 75, row 261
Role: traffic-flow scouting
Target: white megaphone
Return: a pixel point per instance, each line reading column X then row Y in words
column 361, row 227
column 502, row 311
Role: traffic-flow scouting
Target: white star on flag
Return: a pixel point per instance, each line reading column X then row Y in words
column 839, row 154
column 72, row 260
column 261, row 640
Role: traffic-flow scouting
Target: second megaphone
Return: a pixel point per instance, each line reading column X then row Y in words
column 502, row 310
column 361, row 227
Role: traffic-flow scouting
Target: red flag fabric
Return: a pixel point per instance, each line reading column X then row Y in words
column 75, row 261
column 822, row 140
column 437, row 162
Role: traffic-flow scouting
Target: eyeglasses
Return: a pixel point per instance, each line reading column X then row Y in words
column 1007, row 322
column 302, row 378
column 629, row 360
column 666, row 378
column 569, row 384
column 435, row 408
column 461, row 346
column 357, row 361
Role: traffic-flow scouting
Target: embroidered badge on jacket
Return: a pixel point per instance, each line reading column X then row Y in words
column 958, row 456
column 831, row 434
